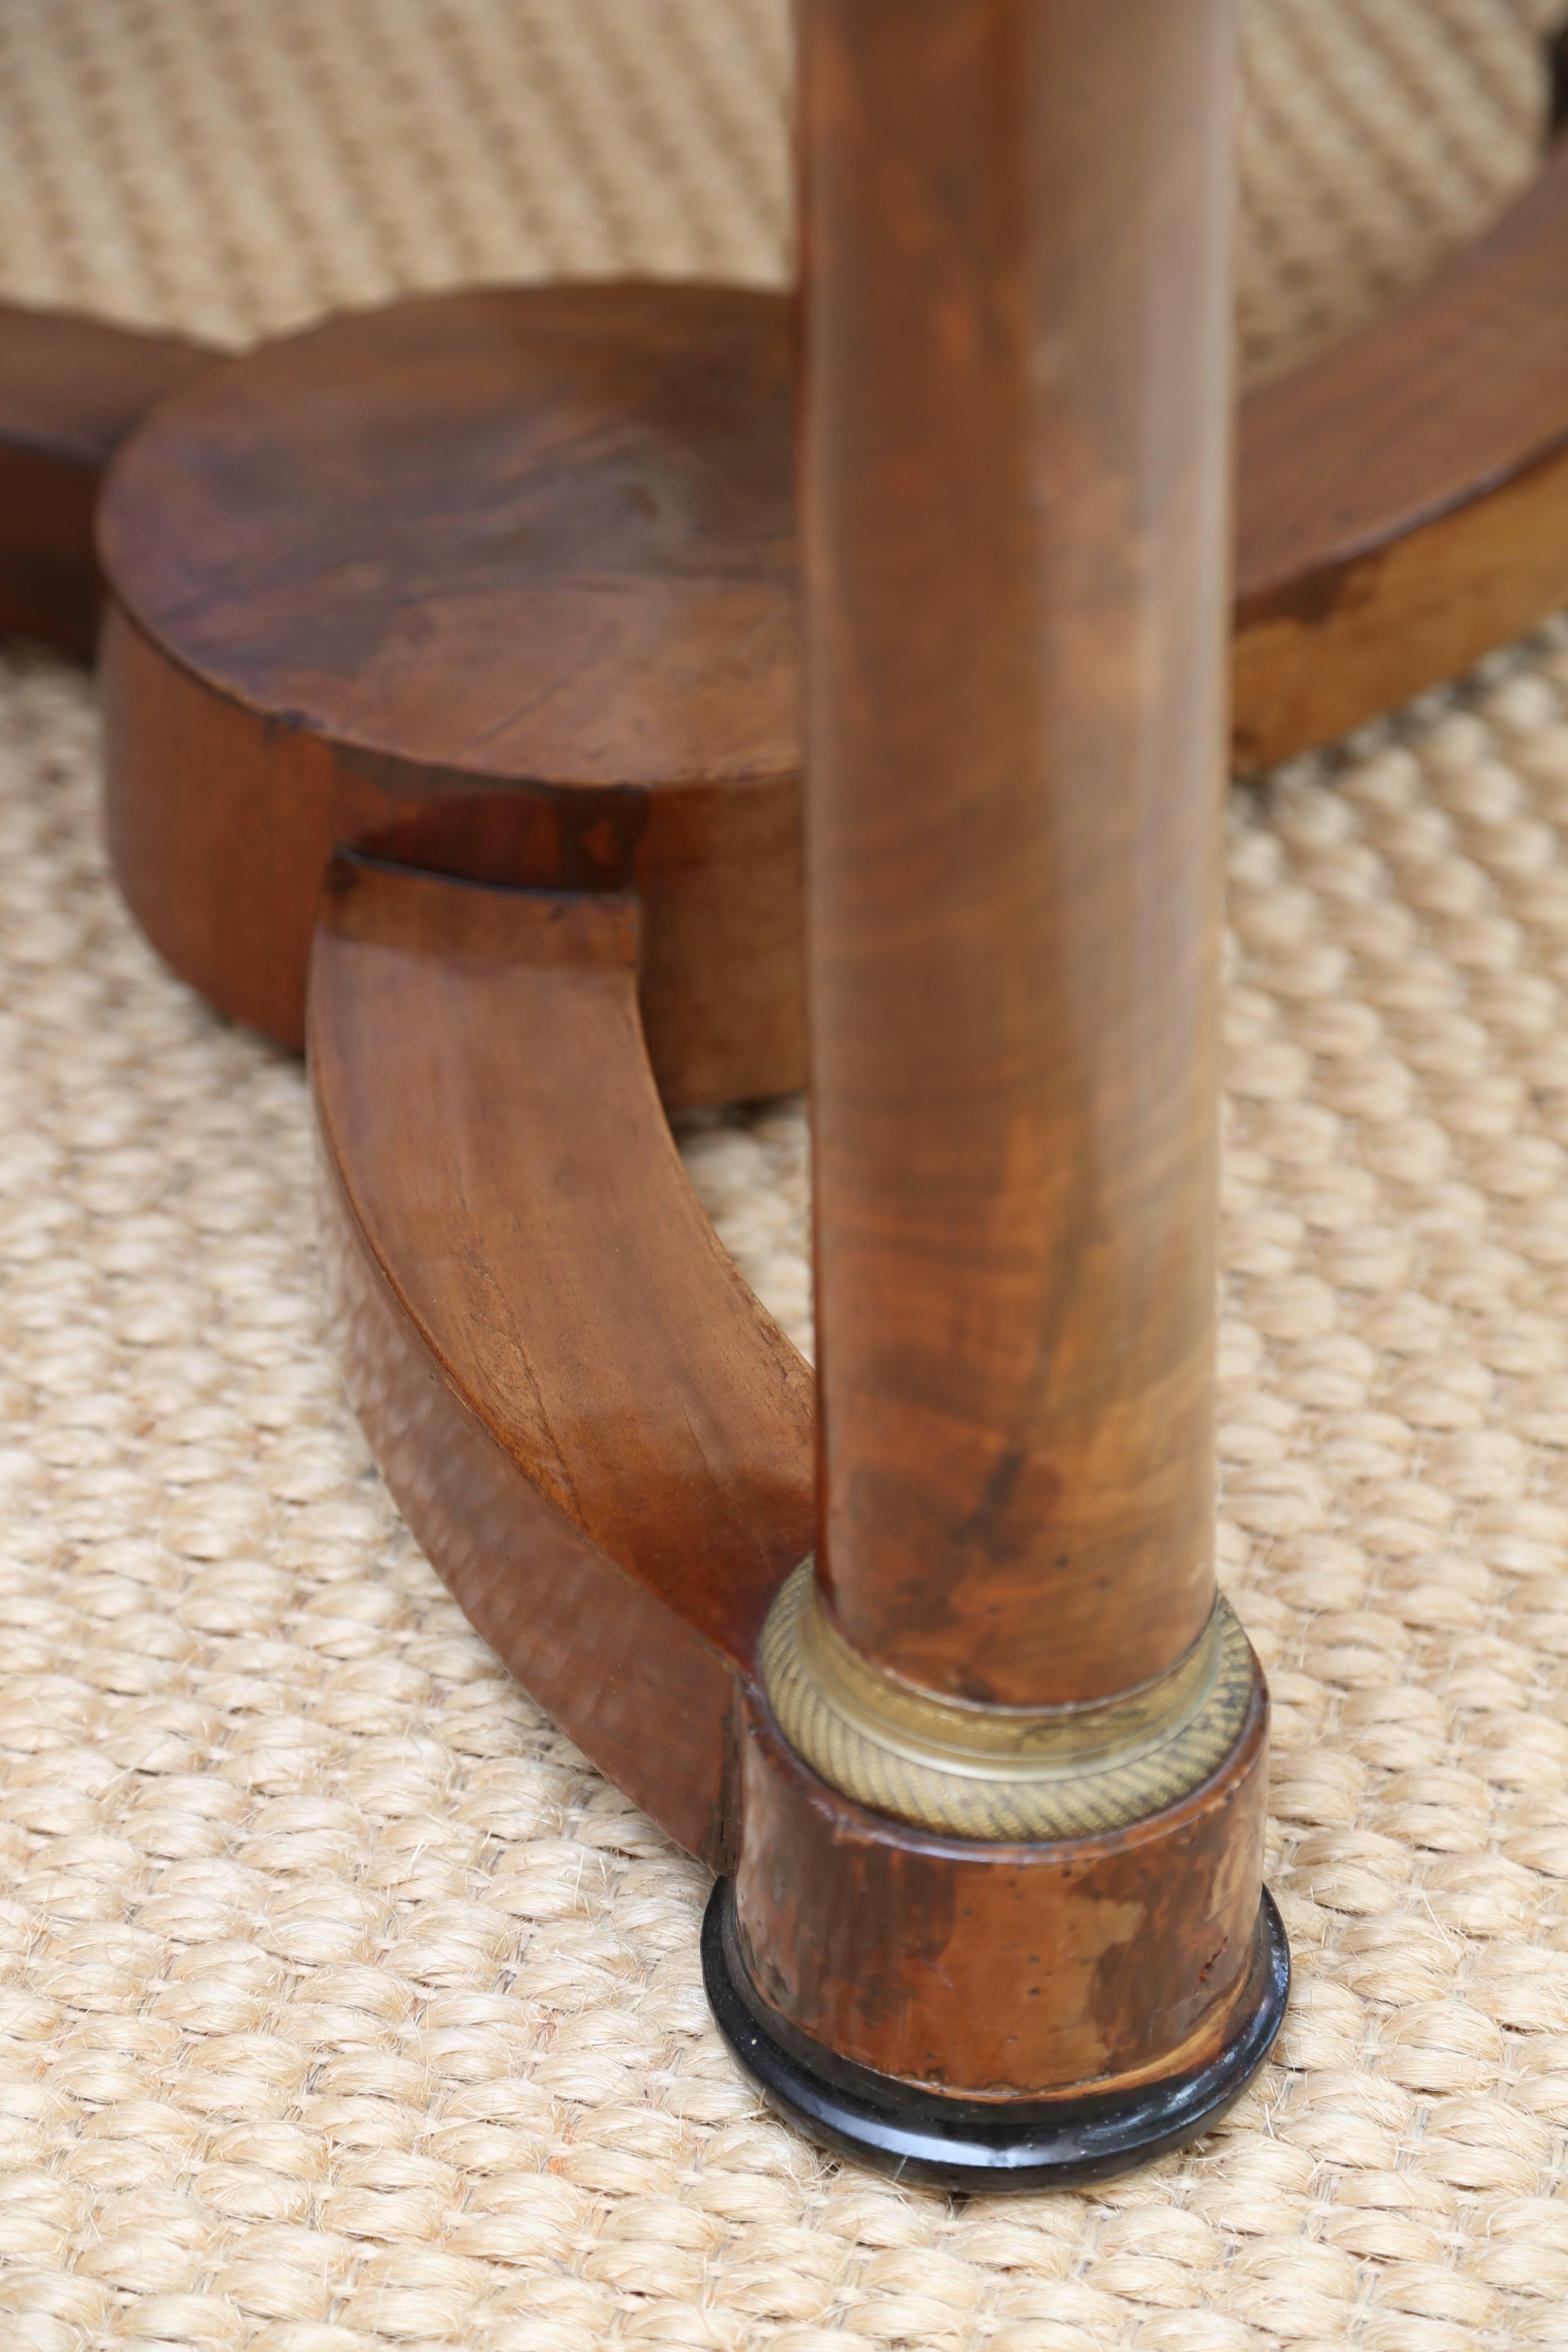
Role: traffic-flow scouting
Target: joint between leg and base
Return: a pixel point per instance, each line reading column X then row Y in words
column 1000, row 1772
column 917, row 2134
column 1001, row 2009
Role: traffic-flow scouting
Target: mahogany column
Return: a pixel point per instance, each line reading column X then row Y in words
column 1002, row 1829
column 1015, row 473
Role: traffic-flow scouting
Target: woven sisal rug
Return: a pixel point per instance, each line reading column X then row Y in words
column 342, row 2005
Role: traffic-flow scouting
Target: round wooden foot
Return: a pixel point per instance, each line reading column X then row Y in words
column 1090, row 1926
column 920, row 2134
column 503, row 581
column 497, row 582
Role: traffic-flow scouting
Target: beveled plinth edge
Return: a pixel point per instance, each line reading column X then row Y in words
column 986, row 2144
column 562, row 656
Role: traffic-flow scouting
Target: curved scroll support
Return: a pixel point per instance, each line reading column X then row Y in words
column 1403, row 495
column 602, row 1441
column 606, row 1449
column 70, row 390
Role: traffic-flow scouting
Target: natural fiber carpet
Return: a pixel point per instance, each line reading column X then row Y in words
column 238, row 166
column 342, row 2006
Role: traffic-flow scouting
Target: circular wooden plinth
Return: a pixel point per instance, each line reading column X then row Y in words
column 986, row 2144
column 501, row 583
column 504, row 579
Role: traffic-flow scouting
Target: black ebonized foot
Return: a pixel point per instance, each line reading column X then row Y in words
column 982, row 2144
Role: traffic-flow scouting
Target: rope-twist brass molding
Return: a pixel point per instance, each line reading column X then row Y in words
column 1003, row 1773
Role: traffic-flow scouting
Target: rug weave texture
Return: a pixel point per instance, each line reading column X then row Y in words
column 236, row 167
column 343, row 2007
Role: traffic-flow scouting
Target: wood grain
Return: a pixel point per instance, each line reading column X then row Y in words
column 599, row 1437
column 1017, row 229
column 1404, row 500
column 604, row 1447
column 1001, row 1970
column 70, row 390
column 499, row 583
column 504, row 583
column 1401, row 497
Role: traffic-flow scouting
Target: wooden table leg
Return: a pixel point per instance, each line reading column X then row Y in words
column 985, row 1783
column 71, row 390
column 1001, row 1831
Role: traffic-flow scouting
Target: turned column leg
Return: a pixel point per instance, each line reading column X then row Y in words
column 1003, row 1813
column 1016, row 443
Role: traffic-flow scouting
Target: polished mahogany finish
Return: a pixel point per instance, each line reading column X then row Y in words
column 501, row 583
column 997, row 1970
column 1014, row 483
column 916, row 2134
column 592, row 677
column 70, row 390
column 605, row 1445
column 599, row 1437
column 1404, row 494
